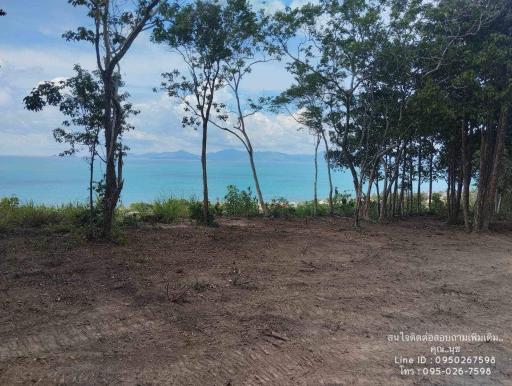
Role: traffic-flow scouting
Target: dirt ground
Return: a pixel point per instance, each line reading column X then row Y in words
column 254, row 302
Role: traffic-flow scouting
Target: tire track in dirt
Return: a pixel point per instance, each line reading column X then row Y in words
column 259, row 364
column 59, row 338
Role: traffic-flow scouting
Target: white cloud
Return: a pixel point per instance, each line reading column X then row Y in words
column 158, row 127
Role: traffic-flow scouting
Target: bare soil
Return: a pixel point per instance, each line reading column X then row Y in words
column 252, row 302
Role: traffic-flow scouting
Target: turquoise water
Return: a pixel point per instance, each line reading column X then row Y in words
column 54, row 180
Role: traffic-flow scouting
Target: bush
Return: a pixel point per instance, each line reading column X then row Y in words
column 240, row 203
column 170, row 210
column 9, row 203
column 62, row 218
column 307, row 209
column 438, row 205
column 162, row 210
column 280, row 207
column 344, row 204
column 195, row 210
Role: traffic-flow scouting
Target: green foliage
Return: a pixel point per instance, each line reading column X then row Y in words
column 307, row 209
column 240, row 203
column 14, row 215
column 164, row 211
column 280, row 207
column 170, row 210
column 344, row 204
column 438, row 204
column 195, row 210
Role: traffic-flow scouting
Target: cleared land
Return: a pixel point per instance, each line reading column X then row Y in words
column 274, row 302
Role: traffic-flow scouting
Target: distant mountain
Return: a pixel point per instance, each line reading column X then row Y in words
column 174, row 155
column 228, row 155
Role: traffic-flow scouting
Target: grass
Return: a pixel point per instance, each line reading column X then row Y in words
column 164, row 210
column 75, row 217
column 14, row 215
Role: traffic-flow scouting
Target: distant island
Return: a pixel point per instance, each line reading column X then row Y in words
column 227, row 155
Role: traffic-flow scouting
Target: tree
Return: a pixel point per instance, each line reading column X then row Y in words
column 340, row 54
column 245, row 42
column 308, row 97
column 468, row 48
column 114, row 29
column 198, row 32
column 80, row 99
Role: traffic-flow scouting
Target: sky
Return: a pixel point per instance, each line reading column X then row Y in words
column 32, row 50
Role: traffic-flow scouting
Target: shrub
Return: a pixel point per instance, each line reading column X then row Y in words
column 9, row 203
column 166, row 211
column 438, row 205
column 280, row 207
column 170, row 210
column 307, row 209
column 195, row 210
column 344, row 204
column 30, row 215
column 240, row 203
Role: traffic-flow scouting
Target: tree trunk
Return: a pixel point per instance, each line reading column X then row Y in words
column 493, row 167
column 395, row 192
column 466, row 174
column 378, row 194
column 206, row 219
column 367, row 201
column 383, row 212
column 411, row 189
column 111, row 194
column 331, row 205
column 401, row 207
column 257, row 182
column 419, row 179
column 315, row 191
column 91, row 196
column 430, row 172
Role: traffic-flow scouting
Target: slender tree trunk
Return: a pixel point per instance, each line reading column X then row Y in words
column 257, row 182
column 448, row 194
column 466, row 174
column 401, row 208
column 367, row 200
column 315, row 191
column 111, row 190
column 430, row 173
column 411, row 190
column 498, row 203
column 378, row 194
column 248, row 146
column 459, row 194
column 331, row 205
column 395, row 193
column 384, row 209
column 494, row 168
column 205, row 174
column 91, row 197
column 419, row 178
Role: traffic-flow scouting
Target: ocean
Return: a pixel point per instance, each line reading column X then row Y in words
column 59, row 180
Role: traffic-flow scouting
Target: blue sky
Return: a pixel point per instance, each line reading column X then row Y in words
column 32, row 50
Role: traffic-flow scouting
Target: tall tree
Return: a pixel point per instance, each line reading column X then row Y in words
column 468, row 46
column 245, row 42
column 115, row 27
column 80, row 99
column 198, row 32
